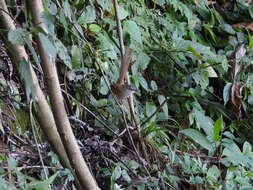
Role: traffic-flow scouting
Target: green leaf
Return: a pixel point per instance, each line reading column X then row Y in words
column 48, row 45
column 122, row 13
column 35, row 184
column 251, row 11
column 94, row 28
column 105, row 4
column 48, row 21
column 67, row 9
column 250, row 39
column 116, row 173
column 63, row 53
column 226, row 92
column 26, row 76
column 201, row 78
column 194, row 52
column 198, row 138
column 247, row 148
column 204, row 51
column 213, row 173
column 150, row 109
column 210, row 32
column 1, row 127
column 160, row 2
column 12, row 163
column 16, row 36
column 4, row 184
column 133, row 164
column 154, row 85
column 133, row 30
column 143, row 60
column 234, row 156
column 88, row 15
column 218, row 127
column 125, row 176
column 228, row 28
column 183, row 9
column 211, row 71
column 31, row 48
column 106, row 45
column 76, row 57
column 165, row 106
column 204, row 122
column 143, row 82
column 103, row 89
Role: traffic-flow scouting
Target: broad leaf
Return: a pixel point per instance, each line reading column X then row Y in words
column 133, row 30
column 16, row 36
column 122, row 13
column 42, row 184
column 26, row 76
column 143, row 82
column 88, row 16
column 63, row 53
column 198, row 138
column 165, row 106
column 204, row 122
column 213, row 173
column 67, row 9
column 48, row 45
column 150, row 109
column 226, row 92
column 116, row 173
column 76, row 57
column 247, row 148
column 105, row 4
column 218, row 127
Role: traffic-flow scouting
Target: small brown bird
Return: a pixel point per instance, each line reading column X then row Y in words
column 120, row 89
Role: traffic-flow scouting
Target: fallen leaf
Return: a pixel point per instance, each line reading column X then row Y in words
column 236, row 97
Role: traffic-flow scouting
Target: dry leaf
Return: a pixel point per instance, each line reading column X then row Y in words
column 236, row 97
column 237, row 56
column 244, row 25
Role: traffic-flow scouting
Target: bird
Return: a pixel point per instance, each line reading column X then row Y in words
column 120, row 89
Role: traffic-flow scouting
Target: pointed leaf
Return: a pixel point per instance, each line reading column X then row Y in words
column 26, row 76
column 48, row 45
column 198, row 138
column 217, row 129
column 206, row 123
column 88, row 15
column 226, row 92
column 133, row 29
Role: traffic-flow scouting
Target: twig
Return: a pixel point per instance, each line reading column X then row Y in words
column 124, row 120
column 172, row 84
column 32, row 122
column 8, row 14
column 129, row 169
column 133, row 144
column 119, row 28
column 122, row 50
column 157, row 110
column 90, row 112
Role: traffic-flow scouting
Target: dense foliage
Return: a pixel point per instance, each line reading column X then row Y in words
column 194, row 111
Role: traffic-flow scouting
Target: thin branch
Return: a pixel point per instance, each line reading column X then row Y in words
column 32, row 122
column 157, row 110
column 90, row 112
column 172, row 84
column 122, row 50
column 119, row 28
column 6, row 12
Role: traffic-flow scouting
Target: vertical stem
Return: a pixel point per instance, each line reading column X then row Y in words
column 122, row 51
column 120, row 32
